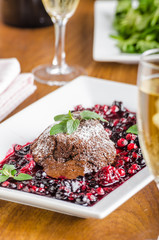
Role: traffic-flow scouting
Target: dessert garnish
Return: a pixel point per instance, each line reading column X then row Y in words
column 133, row 129
column 9, row 171
column 69, row 124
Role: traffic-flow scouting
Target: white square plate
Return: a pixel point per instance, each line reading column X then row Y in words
column 29, row 123
column 104, row 47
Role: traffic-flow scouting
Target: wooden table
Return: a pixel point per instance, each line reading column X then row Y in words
column 138, row 218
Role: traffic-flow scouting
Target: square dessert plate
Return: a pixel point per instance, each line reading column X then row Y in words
column 26, row 125
column 104, row 47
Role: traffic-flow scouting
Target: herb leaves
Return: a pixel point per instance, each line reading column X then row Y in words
column 9, row 171
column 133, row 129
column 68, row 124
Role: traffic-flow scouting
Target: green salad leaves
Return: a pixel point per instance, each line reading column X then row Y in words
column 137, row 25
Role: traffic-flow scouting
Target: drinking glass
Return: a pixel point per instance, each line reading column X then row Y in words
column 58, row 73
column 148, row 109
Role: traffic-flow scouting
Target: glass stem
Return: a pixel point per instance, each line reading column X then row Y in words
column 59, row 57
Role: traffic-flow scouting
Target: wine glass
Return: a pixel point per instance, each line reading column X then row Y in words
column 58, row 73
column 148, row 109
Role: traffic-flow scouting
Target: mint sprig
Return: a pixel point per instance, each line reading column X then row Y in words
column 91, row 115
column 9, row 171
column 133, row 129
column 68, row 124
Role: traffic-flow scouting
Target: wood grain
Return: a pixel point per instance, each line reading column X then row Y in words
column 138, row 218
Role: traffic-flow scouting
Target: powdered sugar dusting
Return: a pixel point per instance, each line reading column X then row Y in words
column 86, row 132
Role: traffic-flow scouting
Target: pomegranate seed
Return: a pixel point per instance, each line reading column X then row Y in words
column 18, row 147
column 5, row 184
column 83, row 188
column 121, row 172
column 96, row 107
column 118, row 150
column 122, row 142
column 34, row 188
column 78, row 108
column 108, row 131
column 29, row 157
column 90, row 196
column 132, row 146
column 126, row 159
column 29, row 167
column 135, row 167
column 120, row 163
column 114, row 109
column 115, row 122
column 20, row 186
column 104, row 108
column 130, row 136
column 135, row 155
column 124, row 153
column 123, row 120
column 131, row 171
column 41, row 190
column 100, row 191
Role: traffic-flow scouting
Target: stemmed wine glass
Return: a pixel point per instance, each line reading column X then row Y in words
column 148, row 109
column 58, row 73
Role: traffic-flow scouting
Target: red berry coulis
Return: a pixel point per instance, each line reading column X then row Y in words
column 92, row 187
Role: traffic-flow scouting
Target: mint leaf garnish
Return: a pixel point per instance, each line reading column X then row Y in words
column 59, row 128
column 3, row 178
column 22, row 177
column 62, row 117
column 13, row 172
column 133, row 129
column 72, row 125
column 68, row 124
column 91, row 115
column 9, row 171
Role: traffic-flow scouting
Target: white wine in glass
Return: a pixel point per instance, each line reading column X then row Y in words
column 61, row 8
column 148, row 109
column 58, row 73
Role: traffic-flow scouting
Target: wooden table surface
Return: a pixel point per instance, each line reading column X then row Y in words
column 138, row 218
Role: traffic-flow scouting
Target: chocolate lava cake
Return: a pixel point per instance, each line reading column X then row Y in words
column 86, row 150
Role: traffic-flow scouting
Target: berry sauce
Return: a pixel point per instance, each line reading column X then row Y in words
column 89, row 189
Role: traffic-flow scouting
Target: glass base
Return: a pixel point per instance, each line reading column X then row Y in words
column 55, row 76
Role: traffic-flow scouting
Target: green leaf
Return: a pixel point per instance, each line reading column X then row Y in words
column 13, row 172
column 62, row 117
column 69, row 125
column 76, row 124
column 72, row 125
column 3, row 178
column 91, row 115
column 1, row 171
column 70, row 114
column 7, row 169
column 133, row 129
column 22, row 177
column 58, row 128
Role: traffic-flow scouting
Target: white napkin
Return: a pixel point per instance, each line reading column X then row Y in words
column 9, row 70
column 17, row 86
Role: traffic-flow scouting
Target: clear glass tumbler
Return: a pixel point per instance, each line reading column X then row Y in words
column 148, row 109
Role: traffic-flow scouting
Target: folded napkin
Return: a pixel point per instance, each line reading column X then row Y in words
column 9, row 70
column 14, row 87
